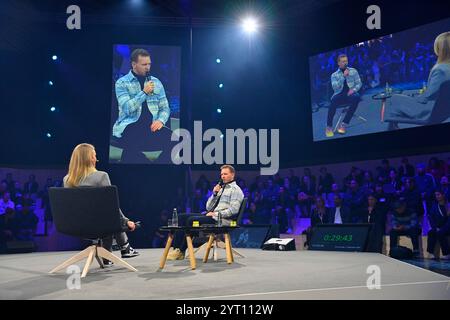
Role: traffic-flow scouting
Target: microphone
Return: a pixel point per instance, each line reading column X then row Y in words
column 148, row 77
column 221, row 184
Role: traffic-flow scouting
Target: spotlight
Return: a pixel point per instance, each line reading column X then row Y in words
column 52, row 109
column 48, row 135
column 219, row 110
column 218, row 60
column 54, row 57
column 220, row 85
column 50, row 83
column 250, row 25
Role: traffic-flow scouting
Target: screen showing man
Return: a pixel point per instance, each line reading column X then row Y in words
column 397, row 81
column 145, row 107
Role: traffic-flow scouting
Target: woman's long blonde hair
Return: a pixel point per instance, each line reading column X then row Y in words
column 442, row 47
column 80, row 164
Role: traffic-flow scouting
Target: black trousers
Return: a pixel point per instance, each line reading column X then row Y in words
column 413, row 233
column 375, row 240
column 138, row 138
column 441, row 236
column 121, row 239
column 342, row 99
column 186, row 219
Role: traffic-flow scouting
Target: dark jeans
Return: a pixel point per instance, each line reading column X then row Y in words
column 186, row 219
column 137, row 138
column 413, row 233
column 342, row 99
column 441, row 236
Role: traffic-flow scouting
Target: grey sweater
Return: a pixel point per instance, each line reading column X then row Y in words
column 439, row 74
column 96, row 179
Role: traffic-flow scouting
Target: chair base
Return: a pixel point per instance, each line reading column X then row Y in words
column 341, row 118
column 214, row 243
column 90, row 252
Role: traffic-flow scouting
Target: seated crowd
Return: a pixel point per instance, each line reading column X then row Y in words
column 395, row 200
column 18, row 221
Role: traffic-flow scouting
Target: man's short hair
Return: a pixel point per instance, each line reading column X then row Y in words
column 139, row 52
column 227, row 166
column 342, row 55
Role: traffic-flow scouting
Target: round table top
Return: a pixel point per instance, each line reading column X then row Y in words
column 386, row 95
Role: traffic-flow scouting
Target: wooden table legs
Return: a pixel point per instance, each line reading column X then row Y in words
column 228, row 248
column 211, row 239
column 169, row 244
column 191, row 252
column 208, row 248
column 166, row 251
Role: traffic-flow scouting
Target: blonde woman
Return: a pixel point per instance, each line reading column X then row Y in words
column 420, row 107
column 82, row 173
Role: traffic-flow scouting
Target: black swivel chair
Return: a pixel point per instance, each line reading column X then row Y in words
column 91, row 213
column 440, row 112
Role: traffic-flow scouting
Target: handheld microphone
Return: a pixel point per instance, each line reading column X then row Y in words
column 137, row 224
column 148, row 77
column 221, row 184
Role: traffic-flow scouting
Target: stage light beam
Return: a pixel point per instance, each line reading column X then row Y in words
column 249, row 25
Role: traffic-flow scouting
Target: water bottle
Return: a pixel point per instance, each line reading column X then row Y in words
column 175, row 218
column 424, row 86
column 386, row 91
column 219, row 219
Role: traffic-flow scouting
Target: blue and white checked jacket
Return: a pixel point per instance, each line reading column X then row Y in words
column 353, row 81
column 229, row 202
column 130, row 98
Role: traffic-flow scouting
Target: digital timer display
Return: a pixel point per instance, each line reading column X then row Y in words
column 337, row 237
column 340, row 237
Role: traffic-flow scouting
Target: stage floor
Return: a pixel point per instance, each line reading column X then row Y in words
column 260, row 275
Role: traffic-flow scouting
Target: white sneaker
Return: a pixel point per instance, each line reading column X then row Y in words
column 447, row 257
column 431, row 256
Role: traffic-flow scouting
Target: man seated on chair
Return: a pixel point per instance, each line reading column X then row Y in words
column 82, row 173
column 346, row 84
column 143, row 112
column 226, row 200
